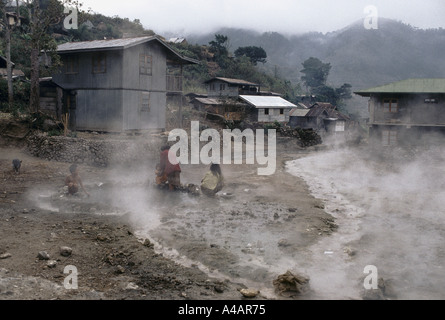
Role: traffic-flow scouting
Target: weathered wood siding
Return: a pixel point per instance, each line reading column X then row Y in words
column 412, row 110
column 220, row 88
column 51, row 101
column 85, row 78
column 303, row 122
column 99, row 95
column 136, row 85
column 113, row 100
column 416, row 122
column 99, row 110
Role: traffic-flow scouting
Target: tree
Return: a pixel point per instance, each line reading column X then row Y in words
column 255, row 54
column 220, row 48
column 42, row 15
column 344, row 92
column 315, row 77
column 220, row 45
column 8, row 26
column 334, row 96
column 315, row 72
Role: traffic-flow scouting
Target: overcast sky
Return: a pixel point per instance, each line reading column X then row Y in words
column 285, row 16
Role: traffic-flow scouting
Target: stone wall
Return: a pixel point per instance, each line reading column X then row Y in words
column 99, row 151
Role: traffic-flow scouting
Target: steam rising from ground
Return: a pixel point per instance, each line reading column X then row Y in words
column 130, row 190
column 389, row 206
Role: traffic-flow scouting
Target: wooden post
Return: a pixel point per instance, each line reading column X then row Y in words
column 180, row 97
column 65, row 124
column 66, row 117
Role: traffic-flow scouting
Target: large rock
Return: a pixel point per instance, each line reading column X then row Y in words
column 289, row 284
column 65, row 251
column 249, row 293
column 43, row 255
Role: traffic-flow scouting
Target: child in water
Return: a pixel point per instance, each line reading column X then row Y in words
column 73, row 181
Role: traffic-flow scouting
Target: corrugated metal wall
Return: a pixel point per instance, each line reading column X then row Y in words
column 112, row 101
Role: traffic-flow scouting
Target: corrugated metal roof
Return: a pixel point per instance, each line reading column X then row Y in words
column 216, row 101
column 209, row 101
column 232, row 81
column 267, row 101
column 303, row 105
column 316, row 111
column 117, row 44
column 103, row 44
column 408, row 86
column 325, row 105
column 298, row 112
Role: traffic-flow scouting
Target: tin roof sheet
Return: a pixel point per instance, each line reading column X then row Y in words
column 267, row 101
column 233, row 81
column 116, row 44
column 216, row 101
column 298, row 112
column 102, row 44
column 408, row 86
column 210, row 101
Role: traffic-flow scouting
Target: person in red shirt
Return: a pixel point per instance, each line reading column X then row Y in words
column 169, row 170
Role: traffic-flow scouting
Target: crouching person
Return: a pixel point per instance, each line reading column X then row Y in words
column 213, row 181
column 73, row 181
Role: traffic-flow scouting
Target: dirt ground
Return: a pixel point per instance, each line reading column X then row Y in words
column 111, row 261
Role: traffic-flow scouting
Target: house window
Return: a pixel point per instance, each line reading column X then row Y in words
column 430, row 101
column 390, row 105
column 145, row 63
column 339, row 126
column 99, row 63
column 71, row 64
column 145, row 101
column 222, row 87
column 281, row 111
column 266, row 111
column 389, row 137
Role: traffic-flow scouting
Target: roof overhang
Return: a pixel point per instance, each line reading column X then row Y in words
column 121, row 44
column 233, row 81
column 267, row 101
column 409, row 86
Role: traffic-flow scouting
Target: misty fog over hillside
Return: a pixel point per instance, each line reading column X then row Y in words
column 362, row 57
column 358, row 56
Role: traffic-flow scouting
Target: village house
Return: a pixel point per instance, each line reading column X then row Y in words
column 321, row 117
column 268, row 109
column 51, row 98
column 226, row 87
column 236, row 99
column 16, row 73
column 119, row 85
column 406, row 112
column 228, row 108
